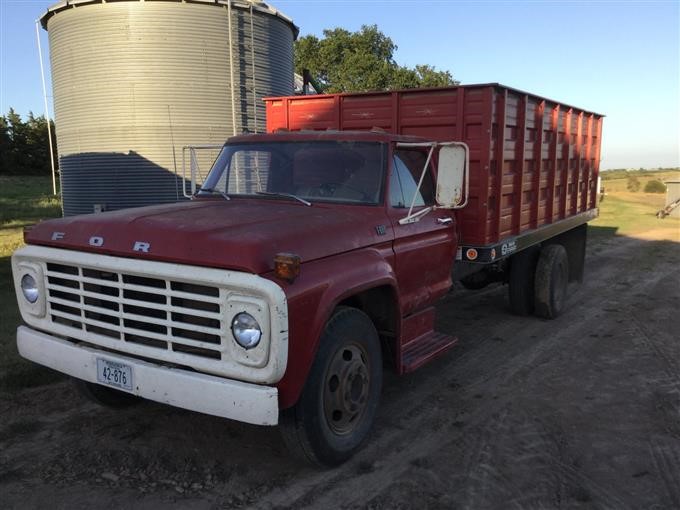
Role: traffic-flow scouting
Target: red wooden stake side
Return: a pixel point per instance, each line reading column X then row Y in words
column 533, row 161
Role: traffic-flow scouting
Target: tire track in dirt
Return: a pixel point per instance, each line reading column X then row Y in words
column 667, row 463
column 481, row 476
column 532, row 447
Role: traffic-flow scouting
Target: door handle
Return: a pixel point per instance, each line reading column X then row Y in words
column 444, row 221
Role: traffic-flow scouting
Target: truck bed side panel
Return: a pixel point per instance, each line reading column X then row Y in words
column 533, row 161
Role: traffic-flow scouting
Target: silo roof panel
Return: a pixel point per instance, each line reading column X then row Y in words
column 242, row 4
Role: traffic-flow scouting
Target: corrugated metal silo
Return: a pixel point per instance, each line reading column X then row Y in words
column 136, row 80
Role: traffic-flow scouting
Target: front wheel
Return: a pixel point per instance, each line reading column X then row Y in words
column 335, row 412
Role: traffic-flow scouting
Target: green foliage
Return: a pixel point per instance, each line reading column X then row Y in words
column 5, row 143
column 24, row 147
column 633, row 183
column 655, row 186
column 344, row 61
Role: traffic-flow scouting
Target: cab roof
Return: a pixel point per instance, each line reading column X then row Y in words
column 327, row 135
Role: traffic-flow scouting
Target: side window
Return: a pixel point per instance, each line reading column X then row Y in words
column 396, row 193
column 407, row 168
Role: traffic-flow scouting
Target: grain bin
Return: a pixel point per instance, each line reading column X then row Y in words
column 135, row 81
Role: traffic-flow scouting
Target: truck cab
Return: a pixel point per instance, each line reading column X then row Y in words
column 305, row 263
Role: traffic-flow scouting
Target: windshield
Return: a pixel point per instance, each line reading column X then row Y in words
column 319, row 171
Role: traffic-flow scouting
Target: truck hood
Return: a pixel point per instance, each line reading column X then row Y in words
column 241, row 234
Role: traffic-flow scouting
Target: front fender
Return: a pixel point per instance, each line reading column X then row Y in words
column 323, row 284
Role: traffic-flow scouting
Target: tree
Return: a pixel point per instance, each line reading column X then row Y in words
column 655, row 186
column 5, row 144
column 37, row 141
column 24, row 146
column 633, row 183
column 16, row 156
column 344, row 61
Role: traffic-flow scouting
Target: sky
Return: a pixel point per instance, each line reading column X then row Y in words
column 615, row 57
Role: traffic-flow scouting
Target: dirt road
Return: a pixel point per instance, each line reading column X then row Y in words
column 580, row 412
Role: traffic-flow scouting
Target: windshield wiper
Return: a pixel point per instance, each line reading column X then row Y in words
column 213, row 190
column 284, row 195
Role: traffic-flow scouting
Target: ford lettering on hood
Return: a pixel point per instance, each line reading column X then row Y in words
column 241, row 234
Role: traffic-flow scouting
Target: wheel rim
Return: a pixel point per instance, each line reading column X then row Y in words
column 346, row 388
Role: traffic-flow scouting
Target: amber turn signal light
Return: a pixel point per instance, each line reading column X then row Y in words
column 287, row 266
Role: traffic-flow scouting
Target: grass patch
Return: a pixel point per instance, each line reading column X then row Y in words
column 23, row 201
column 633, row 214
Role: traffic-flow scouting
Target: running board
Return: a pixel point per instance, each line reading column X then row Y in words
column 424, row 349
column 420, row 343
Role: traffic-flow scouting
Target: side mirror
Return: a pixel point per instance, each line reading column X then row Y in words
column 453, row 176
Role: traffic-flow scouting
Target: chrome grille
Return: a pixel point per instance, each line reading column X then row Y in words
column 153, row 312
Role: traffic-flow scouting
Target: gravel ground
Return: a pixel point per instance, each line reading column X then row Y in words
column 579, row 412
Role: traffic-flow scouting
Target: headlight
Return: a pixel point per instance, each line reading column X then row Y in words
column 30, row 288
column 246, row 330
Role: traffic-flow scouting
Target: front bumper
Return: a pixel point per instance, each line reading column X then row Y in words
column 217, row 396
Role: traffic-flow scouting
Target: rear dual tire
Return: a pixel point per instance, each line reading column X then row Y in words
column 521, row 281
column 551, row 281
column 538, row 281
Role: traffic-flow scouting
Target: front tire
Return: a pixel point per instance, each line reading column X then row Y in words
column 334, row 415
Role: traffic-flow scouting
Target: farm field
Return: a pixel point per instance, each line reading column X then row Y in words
column 633, row 214
column 579, row 412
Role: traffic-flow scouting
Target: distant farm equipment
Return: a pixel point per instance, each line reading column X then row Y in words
column 662, row 213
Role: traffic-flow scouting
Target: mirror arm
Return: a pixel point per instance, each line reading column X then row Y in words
column 420, row 181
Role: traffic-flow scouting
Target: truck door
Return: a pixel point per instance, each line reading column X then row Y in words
column 424, row 250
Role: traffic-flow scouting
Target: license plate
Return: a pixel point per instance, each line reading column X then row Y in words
column 114, row 374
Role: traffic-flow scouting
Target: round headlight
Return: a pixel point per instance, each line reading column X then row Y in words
column 30, row 288
column 246, row 330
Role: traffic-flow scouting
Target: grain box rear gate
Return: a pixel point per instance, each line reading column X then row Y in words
column 533, row 161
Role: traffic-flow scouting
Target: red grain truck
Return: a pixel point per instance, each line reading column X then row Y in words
column 313, row 255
